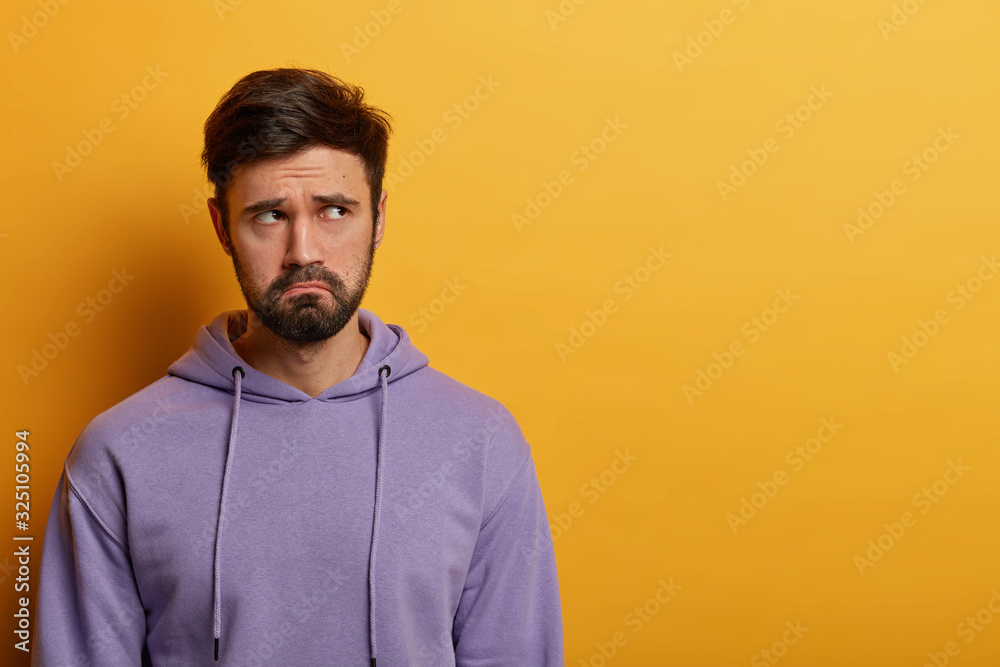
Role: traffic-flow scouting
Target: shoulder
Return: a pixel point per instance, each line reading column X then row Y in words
column 121, row 426
column 445, row 396
column 95, row 463
column 491, row 435
column 93, row 470
column 439, row 387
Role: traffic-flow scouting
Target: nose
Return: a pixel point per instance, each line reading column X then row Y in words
column 303, row 243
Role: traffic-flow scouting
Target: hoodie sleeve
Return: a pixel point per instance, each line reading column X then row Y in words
column 89, row 612
column 510, row 613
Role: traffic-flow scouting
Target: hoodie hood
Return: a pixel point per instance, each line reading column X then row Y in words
column 213, row 361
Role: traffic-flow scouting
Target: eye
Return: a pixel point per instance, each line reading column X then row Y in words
column 335, row 212
column 260, row 217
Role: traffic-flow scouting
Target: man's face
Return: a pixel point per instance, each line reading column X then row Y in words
column 301, row 240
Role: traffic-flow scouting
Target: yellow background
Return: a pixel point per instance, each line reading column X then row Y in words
column 655, row 185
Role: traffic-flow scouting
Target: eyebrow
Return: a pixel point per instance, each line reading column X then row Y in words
column 332, row 199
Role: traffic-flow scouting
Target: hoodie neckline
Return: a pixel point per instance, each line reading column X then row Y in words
column 211, row 359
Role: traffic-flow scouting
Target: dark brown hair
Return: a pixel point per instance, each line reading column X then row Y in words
column 279, row 112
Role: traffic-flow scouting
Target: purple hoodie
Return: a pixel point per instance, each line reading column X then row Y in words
column 220, row 512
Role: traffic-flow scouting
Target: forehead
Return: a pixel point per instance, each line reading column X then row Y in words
column 311, row 169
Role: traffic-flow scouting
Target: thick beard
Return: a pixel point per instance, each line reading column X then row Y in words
column 305, row 318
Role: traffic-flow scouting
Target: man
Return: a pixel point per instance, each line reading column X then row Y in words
column 302, row 488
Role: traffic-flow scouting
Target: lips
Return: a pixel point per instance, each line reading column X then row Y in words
column 300, row 288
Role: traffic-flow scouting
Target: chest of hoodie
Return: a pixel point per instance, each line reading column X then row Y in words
column 297, row 531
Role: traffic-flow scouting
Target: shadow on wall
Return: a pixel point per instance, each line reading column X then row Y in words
column 173, row 294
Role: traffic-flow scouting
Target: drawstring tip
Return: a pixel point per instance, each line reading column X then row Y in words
column 216, row 649
column 373, row 662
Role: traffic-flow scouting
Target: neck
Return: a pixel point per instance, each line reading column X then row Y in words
column 310, row 367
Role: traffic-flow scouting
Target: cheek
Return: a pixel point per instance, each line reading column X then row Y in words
column 346, row 255
column 259, row 265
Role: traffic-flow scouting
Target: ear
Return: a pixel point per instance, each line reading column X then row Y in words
column 213, row 210
column 380, row 225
